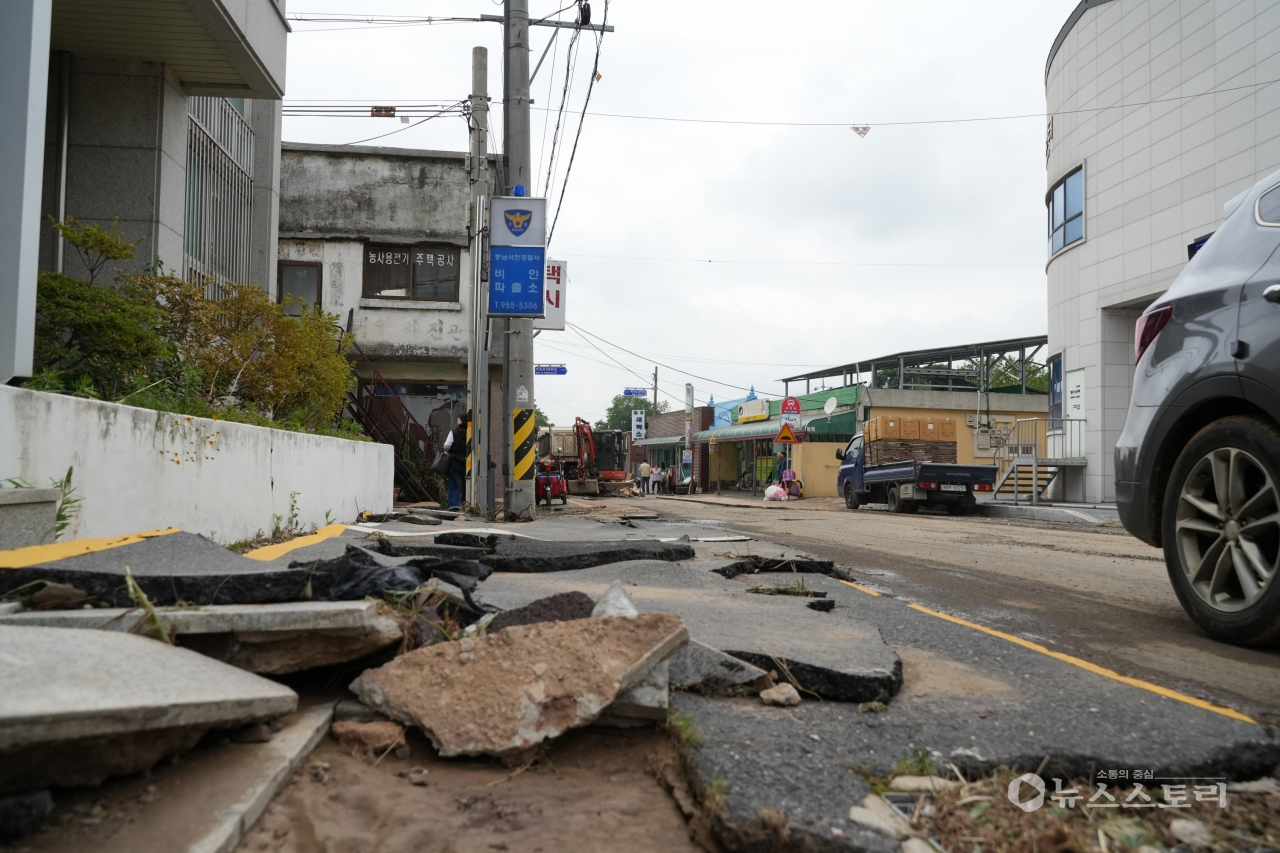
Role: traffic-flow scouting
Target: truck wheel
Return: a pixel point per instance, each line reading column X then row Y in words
column 1221, row 530
column 896, row 503
column 851, row 497
column 955, row 509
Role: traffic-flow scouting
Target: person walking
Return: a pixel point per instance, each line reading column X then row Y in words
column 655, row 479
column 456, row 446
column 645, row 472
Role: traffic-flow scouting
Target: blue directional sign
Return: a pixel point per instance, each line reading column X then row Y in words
column 515, row 280
column 550, row 370
column 636, row 392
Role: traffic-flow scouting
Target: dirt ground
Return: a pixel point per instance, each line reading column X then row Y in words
column 592, row 790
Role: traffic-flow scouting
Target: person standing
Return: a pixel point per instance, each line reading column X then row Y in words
column 655, row 479
column 456, row 446
column 645, row 472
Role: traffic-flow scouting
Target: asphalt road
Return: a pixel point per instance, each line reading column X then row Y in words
column 1092, row 592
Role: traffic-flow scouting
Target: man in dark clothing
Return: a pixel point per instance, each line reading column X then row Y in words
column 456, row 446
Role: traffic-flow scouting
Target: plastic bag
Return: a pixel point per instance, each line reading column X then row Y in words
column 775, row 493
column 615, row 602
column 360, row 573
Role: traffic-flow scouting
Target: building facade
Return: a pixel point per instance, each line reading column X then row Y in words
column 163, row 115
column 1161, row 111
column 380, row 237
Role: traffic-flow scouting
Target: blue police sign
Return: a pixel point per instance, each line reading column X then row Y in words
column 515, row 281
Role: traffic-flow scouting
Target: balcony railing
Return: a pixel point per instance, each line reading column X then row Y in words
column 1043, row 445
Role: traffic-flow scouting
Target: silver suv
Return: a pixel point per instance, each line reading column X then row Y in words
column 1198, row 463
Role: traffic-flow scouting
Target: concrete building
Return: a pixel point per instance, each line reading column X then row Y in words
column 379, row 236
column 163, row 114
column 1162, row 111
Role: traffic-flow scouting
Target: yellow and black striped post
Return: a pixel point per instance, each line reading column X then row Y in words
column 468, row 444
column 524, row 438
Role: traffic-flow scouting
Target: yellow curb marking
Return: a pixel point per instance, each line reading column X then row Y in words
column 858, row 587
column 271, row 552
column 1094, row 668
column 32, row 555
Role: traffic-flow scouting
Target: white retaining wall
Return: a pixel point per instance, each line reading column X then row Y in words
column 137, row 469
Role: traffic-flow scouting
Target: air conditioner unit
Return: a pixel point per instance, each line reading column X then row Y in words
column 971, row 419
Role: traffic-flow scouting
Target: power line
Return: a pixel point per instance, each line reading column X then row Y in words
column 793, row 263
column 654, row 361
column 591, row 84
column 445, row 111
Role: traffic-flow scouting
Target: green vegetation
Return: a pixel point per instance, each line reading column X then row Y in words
column 618, row 415
column 68, row 501
column 156, row 341
column 540, row 418
column 683, row 729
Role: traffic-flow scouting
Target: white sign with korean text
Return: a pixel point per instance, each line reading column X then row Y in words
column 553, row 290
column 637, row 424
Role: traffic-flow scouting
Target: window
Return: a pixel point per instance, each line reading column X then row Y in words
column 302, row 282
column 1055, row 388
column 1066, row 212
column 1268, row 212
column 411, row 272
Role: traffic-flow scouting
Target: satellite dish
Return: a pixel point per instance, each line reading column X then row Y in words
column 830, row 405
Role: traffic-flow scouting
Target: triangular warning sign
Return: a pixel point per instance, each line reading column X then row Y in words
column 785, row 435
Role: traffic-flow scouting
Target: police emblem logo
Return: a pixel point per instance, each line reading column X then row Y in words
column 518, row 220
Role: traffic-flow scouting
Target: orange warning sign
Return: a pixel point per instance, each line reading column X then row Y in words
column 785, row 435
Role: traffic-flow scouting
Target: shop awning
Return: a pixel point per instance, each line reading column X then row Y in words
column 664, row 441
column 841, row 422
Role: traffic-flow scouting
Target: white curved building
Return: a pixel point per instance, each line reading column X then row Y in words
column 1162, row 110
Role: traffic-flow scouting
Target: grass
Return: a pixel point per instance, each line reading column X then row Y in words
column 683, row 729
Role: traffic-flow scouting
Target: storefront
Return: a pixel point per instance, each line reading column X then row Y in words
column 746, row 457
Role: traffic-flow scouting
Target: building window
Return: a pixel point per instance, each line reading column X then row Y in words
column 301, row 281
column 219, row 195
column 1066, row 212
column 1055, row 388
column 411, row 272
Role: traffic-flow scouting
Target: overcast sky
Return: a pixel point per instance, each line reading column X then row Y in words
column 824, row 247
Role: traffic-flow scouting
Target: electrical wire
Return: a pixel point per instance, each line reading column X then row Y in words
column 591, row 84
column 795, row 263
column 654, row 361
column 555, row 54
column 571, row 65
column 444, row 111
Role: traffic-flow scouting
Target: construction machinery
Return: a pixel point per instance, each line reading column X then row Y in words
column 594, row 461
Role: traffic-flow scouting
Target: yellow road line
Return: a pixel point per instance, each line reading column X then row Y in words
column 859, row 587
column 1094, row 668
column 33, row 555
column 271, row 552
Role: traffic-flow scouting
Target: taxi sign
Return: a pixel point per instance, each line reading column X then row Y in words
column 785, row 435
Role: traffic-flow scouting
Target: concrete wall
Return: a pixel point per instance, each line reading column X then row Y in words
column 140, row 470
column 817, row 466
column 1156, row 175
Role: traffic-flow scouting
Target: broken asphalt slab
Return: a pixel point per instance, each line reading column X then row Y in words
column 504, row 693
column 968, row 698
column 527, row 555
column 78, row 706
column 832, row 655
column 265, row 638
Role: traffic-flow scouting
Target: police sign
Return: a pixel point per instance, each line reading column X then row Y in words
column 517, row 256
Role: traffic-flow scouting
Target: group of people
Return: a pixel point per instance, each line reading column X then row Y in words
column 656, row 480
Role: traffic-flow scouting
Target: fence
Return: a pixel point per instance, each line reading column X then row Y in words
column 219, row 203
column 1048, row 443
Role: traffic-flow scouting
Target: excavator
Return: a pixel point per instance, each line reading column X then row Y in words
column 594, row 461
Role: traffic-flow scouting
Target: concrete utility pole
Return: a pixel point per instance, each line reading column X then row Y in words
column 655, row 390
column 478, row 351
column 518, row 170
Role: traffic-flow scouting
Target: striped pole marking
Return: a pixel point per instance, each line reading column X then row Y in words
column 468, row 442
column 523, row 437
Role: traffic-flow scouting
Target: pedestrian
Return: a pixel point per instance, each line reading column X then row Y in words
column 655, row 479
column 645, row 472
column 456, row 446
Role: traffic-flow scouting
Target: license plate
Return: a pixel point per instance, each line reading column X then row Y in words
column 953, row 487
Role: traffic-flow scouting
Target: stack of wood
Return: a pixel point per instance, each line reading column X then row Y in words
column 890, row 438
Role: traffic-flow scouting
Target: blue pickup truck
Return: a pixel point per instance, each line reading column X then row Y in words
column 907, row 486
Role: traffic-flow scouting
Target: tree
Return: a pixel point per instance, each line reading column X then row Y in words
column 618, row 415
column 540, row 419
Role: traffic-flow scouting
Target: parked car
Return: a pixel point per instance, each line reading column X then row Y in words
column 906, row 486
column 1198, row 462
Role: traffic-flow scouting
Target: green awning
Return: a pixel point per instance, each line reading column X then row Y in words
column 845, row 422
column 664, row 441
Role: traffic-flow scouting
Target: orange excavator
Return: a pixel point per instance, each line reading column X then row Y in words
column 593, row 460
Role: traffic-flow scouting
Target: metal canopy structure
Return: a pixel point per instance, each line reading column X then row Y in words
column 1000, row 366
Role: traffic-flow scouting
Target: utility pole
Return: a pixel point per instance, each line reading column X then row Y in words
column 517, row 376
column 478, row 351
column 655, row 389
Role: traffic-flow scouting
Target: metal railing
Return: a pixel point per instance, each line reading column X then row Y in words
column 219, row 196
column 1038, row 443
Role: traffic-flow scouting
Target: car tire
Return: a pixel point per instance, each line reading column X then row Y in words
column 851, row 497
column 894, row 500
column 1221, row 530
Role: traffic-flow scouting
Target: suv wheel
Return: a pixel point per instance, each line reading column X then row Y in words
column 1221, row 530
column 851, row 497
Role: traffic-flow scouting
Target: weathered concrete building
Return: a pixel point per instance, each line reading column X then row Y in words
column 379, row 236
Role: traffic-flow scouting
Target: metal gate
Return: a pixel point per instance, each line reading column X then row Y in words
column 219, row 208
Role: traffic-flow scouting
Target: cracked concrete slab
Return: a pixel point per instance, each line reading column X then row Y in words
column 528, row 555
column 78, row 706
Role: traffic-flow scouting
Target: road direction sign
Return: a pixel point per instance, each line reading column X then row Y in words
column 785, row 435
column 550, row 370
column 635, row 392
